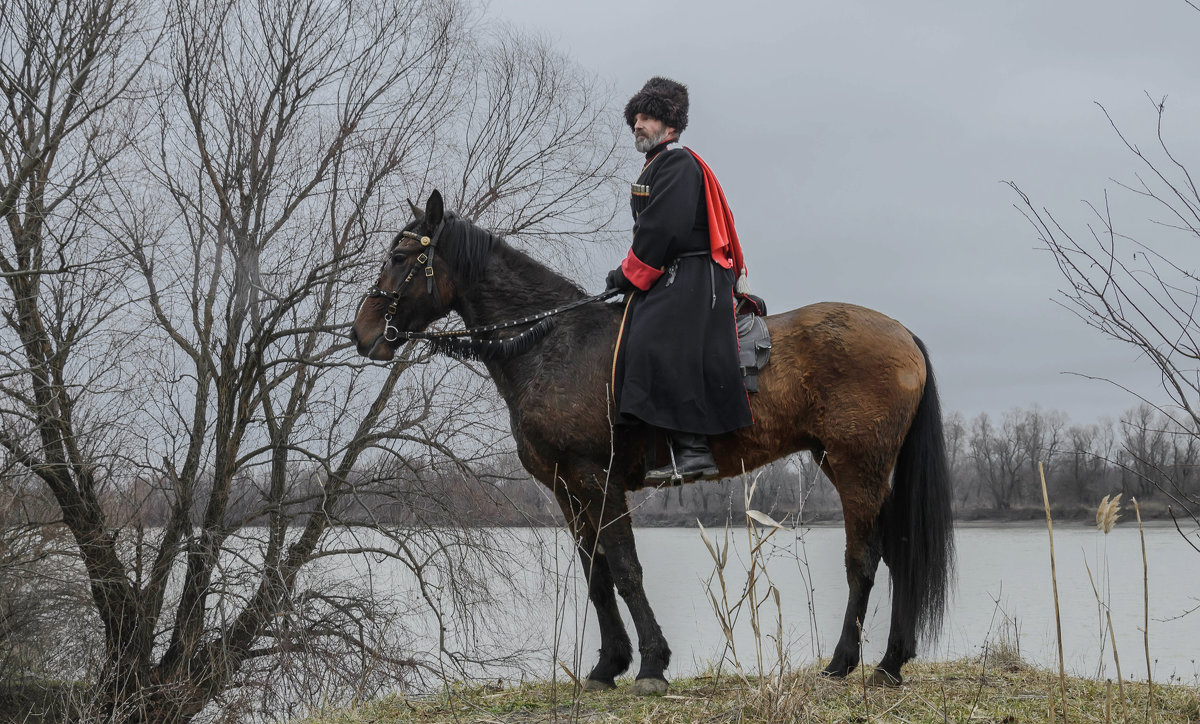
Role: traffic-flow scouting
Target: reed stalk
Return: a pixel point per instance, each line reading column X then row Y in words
column 1106, row 519
column 772, row 694
column 1146, row 613
column 754, row 544
column 1116, row 660
column 1062, row 667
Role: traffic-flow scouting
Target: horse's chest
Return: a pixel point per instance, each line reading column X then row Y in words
column 552, row 437
column 560, row 428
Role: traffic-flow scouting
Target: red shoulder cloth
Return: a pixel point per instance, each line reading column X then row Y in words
column 723, row 238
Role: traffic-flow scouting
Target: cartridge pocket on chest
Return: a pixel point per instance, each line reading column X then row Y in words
column 639, row 196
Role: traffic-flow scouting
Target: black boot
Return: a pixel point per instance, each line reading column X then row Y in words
column 692, row 459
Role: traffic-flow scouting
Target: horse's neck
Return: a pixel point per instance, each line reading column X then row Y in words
column 513, row 286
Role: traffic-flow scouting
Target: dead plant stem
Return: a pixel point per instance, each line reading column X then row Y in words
column 1062, row 668
column 1146, row 613
column 1116, row 660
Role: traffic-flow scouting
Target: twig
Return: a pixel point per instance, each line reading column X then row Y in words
column 982, row 679
column 1062, row 669
column 1171, row 512
column 986, row 646
column 862, row 668
column 941, row 713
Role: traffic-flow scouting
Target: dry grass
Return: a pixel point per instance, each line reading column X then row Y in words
column 933, row 692
column 999, row 687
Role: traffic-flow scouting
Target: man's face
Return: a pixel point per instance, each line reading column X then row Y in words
column 648, row 132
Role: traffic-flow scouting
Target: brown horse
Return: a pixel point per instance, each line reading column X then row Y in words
column 845, row 382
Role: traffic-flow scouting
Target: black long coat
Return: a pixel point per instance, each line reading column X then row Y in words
column 678, row 364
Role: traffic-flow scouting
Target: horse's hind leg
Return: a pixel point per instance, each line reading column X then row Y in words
column 902, row 642
column 861, row 502
column 616, row 652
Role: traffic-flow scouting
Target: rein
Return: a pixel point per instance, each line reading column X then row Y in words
column 473, row 331
column 463, row 342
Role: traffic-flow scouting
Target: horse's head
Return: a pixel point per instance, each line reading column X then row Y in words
column 414, row 288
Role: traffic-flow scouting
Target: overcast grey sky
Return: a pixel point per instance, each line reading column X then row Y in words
column 863, row 146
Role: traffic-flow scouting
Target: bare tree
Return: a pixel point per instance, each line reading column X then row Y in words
column 999, row 460
column 192, row 192
column 1131, row 282
column 1148, row 450
column 1040, row 437
column 955, row 426
column 69, row 76
column 1086, row 459
column 537, row 142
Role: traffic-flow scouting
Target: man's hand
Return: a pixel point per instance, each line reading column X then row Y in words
column 617, row 280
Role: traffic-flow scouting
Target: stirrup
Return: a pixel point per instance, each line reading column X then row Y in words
column 666, row 472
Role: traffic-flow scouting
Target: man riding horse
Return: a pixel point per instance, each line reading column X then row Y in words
column 849, row 384
column 677, row 369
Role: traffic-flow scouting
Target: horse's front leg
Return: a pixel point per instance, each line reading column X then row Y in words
column 616, row 540
column 616, row 652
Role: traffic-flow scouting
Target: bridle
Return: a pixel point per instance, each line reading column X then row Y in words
column 392, row 333
column 429, row 244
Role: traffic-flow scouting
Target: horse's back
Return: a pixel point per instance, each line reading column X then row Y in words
column 840, row 376
column 839, row 345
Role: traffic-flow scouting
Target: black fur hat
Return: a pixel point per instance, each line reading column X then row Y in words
column 663, row 99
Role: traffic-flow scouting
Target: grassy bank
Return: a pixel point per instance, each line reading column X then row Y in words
column 961, row 691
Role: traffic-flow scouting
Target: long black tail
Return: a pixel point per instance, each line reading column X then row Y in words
column 918, row 528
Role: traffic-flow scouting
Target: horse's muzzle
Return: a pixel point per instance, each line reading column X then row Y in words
column 376, row 348
column 364, row 347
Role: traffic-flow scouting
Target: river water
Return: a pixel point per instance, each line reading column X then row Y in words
column 1003, row 593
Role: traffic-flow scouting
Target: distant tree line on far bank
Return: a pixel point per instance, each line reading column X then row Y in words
column 1143, row 454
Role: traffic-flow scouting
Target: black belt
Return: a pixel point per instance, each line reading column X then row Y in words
column 712, row 273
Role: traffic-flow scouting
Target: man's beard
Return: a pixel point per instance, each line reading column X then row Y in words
column 645, row 143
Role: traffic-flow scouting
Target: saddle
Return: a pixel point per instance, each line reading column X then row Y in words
column 754, row 340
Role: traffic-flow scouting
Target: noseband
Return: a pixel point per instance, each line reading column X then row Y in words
column 390, row 331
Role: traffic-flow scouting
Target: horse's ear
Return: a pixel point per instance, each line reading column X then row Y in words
column 416, row 210
column 434, row 210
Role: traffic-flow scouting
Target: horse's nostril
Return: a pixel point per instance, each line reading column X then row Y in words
column 353, row 335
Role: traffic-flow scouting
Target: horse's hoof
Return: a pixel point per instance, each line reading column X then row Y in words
column 836, row 672
column 882, row 678
column 597, row 685
column 649, row 687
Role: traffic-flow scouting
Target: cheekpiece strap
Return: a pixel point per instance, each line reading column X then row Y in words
column 430, row 243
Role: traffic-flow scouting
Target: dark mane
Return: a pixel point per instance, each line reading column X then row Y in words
column 469, row 247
